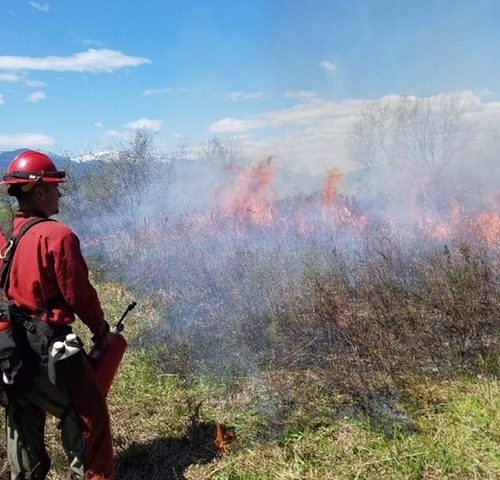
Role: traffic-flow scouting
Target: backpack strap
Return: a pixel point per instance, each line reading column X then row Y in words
column 7, row 252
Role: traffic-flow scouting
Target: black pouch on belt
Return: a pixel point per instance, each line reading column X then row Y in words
column 10, row 360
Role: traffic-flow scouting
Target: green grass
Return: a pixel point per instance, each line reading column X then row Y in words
column 286, row 425
column 458, row 440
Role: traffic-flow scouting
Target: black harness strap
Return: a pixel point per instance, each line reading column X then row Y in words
column 10, row 249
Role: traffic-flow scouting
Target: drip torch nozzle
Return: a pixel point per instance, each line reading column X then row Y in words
column 119, row 325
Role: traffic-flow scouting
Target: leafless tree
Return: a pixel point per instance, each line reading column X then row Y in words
column 421, row 131
column 225, row 152
column 370, row 139
column 428, row 129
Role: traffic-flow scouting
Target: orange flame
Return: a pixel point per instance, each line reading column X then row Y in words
column 333, row 179
column 436, row 227
column 251, row 197
column 433, row 228
column 334, row 208
column 488, row 225
column 222, row 437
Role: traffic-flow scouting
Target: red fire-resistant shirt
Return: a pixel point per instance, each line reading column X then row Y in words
column 48, row 266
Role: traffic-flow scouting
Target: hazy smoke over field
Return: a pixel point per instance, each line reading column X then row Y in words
column 221, row 242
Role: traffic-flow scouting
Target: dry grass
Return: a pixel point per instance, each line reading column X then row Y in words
column 371, row 328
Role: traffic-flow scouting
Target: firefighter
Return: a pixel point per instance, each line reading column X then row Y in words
column 49, row 282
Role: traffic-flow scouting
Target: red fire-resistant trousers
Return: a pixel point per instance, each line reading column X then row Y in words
column 85, row 429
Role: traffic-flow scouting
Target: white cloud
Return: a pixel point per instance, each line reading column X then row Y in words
column 157, row 91
column 14, row 77
column 311, row 109
column 328, row 66
column 314, row 130
column 162, row 91
column 2, row 101
column 92, row 60
column 41, row 7
column 88, row 42
column 239, row 96
column 302, row 95
column 148, row 123
column 10, row 77
column 98, row 124
column 235, row 125
column 35, row 83
column 35, row 97
column 18, row 140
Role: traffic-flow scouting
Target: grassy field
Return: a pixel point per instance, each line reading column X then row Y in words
column 282, row 424
column 454, row 434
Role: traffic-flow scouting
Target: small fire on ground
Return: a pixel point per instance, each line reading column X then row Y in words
column 223, row 437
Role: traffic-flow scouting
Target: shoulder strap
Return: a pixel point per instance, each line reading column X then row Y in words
column 10, row 249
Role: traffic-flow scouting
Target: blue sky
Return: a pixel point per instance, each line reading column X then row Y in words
column 285, row 77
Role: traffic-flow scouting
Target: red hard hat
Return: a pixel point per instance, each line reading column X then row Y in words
column 31, row 166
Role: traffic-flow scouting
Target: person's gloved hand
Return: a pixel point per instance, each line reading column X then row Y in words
column 102, row 343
